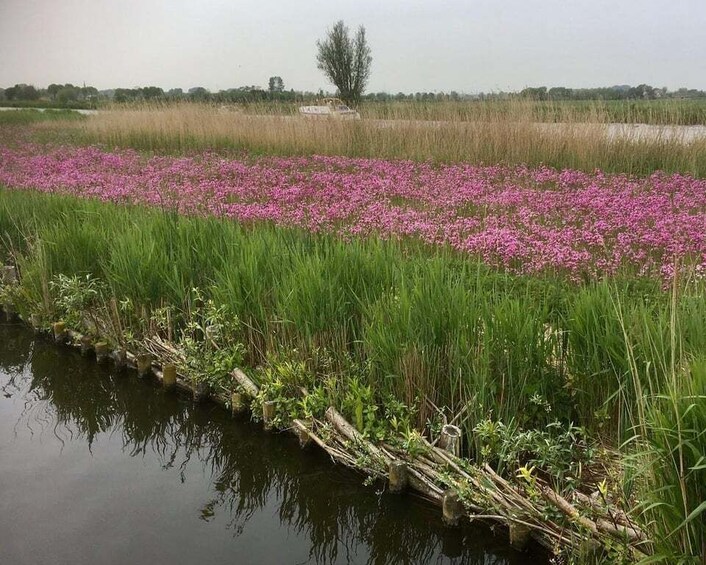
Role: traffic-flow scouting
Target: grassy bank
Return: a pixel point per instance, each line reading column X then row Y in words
column 605, row 380
column 26, row 117
column 507, row 135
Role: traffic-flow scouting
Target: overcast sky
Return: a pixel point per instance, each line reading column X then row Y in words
column 435, row 45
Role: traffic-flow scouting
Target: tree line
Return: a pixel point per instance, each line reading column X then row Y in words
column 69, row 95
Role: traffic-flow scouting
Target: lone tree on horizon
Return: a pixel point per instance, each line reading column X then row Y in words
column 345, row 61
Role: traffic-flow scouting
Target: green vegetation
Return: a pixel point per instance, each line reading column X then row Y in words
column 599, row 386
column 30, row 116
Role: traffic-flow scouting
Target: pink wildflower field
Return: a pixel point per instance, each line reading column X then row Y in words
column 526, row 219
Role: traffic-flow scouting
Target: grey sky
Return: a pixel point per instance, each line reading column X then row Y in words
column 469, row 46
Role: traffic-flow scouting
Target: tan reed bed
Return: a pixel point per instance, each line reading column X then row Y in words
column 508, row 135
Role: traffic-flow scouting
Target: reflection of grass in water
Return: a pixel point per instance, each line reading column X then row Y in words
column 247, row 467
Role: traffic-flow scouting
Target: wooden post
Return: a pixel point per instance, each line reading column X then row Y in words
column 169, row 375
column 36, row 321
column 8, row 275
column 302, row 431
column 450, row 439
column 102, row 352
column 519, row 535
column 60, row 333
column 399, row 476
column 144, row 364
column 86, row 345
column 249, row 387
column 120, row 358
column 237, row 403
column 452, row 508
column 268, row 413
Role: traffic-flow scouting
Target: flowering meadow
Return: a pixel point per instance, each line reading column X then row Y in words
column 577, row 381
column 528, row 220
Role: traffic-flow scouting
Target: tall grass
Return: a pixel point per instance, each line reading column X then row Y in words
column 507, row 134
column 656, row 112
column 620, row 357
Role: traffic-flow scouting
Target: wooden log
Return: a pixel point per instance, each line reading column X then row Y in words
column 304, row 427
column 60, row 333
column 347, row 430
column 567, row 509
column 303, row 432
column 86, row 345
column 169, row 375
column 450, row 439
column 102, row 352
column 268, row 413
column 452, row 508
column 249, row 387
column 519, row 535
column 238, row 405
column 398, row 476
column 144, row 364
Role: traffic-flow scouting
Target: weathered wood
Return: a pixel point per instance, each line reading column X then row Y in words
column 303, row 432
column 238, row 405
column 144, row 364
column 268, row 413
column 60, row 333
column 35, row 321
column 347, row 430
column 8, row 275
column 398, row 476
column 566, row 508
column 519, row 535
column 169, row 375
column 120, row 358
column 450, row 439
column 249, row 387
column 452, row 508
column 102, row 352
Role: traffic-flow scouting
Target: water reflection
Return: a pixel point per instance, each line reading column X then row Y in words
column 252, row 476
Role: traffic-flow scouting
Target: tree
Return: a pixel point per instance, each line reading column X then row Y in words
column 276, row 84
column 345, row 61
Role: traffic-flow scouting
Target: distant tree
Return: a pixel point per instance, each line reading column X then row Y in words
column 539, row 93
column 276, row 84
column 151, row 92
column 559, row 93
column 53, row 90
column 175, row 93
column 22, row 92
column 67, row 93
column 199, row 93
column 346, row 62
column 642, row 91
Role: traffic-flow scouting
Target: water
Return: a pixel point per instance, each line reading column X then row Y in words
column 101, row 468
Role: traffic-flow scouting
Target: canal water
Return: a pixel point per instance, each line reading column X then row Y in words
column 98, row 467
